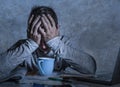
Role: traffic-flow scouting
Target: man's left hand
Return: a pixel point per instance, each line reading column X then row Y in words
column 50, row 29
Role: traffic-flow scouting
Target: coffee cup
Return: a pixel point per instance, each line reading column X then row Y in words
column 45, row 65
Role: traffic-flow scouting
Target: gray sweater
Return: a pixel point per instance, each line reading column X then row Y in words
column 22, row 56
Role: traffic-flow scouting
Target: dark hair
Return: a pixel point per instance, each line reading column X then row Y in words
column 39, row 10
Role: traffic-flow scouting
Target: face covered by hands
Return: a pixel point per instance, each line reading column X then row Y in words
column 43, row 29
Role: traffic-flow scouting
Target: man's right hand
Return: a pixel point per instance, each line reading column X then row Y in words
column 34, row 34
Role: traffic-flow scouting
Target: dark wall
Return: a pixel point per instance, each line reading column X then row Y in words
column 95, row 25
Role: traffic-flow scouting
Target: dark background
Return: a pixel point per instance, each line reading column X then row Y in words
column 94, row 24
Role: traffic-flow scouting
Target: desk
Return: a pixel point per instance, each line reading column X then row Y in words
column 29, row 83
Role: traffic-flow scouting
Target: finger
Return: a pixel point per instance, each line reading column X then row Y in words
column 35, row 31
column 41, row 30
column 38, row 39
column 39, row 35
column 38, row 24
column 45, row 24
column 34, row 23
column 30, row 20
column 51, row 20
column 47, row 20
column 37, row 27
column 29, row 23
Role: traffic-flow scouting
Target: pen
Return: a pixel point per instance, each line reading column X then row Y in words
column 58, row 79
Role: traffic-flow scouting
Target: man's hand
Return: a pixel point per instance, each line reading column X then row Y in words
column 50, row 30
column 34, row 34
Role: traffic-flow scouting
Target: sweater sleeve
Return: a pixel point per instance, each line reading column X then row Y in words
column 14, row 56
column 77, row 59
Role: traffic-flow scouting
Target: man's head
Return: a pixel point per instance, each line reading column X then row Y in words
column 42, row 22
column 40, row 10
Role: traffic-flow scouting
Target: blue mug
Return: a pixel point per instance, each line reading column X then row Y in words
column 45, row 65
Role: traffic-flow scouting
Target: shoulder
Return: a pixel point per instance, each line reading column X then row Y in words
column 64, row 38
column 22, row 41
column 18, row 44
column 68, row 40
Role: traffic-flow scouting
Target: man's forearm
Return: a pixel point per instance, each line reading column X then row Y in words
column 86, row 63
column 16, row 55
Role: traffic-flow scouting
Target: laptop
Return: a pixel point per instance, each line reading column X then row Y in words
column 103, row 78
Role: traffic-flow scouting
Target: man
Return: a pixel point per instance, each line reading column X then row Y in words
column 43, row 40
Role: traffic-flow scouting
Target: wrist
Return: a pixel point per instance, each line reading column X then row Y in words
column 33, row 42
column 54, row 43
column 50, row 38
